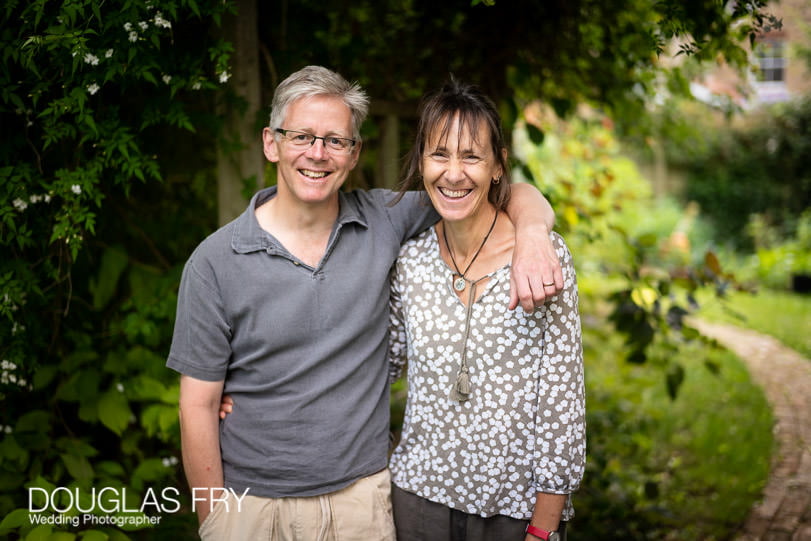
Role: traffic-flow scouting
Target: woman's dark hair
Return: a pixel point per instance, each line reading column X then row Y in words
column 437, row 112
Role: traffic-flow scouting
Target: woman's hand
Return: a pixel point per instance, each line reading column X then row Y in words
column 226, row 405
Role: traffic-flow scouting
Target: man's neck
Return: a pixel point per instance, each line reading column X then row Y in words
column 303, row 230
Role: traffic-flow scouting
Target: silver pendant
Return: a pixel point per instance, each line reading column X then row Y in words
column 459, row 284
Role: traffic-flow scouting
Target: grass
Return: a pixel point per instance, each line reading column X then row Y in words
column 780, row 314
column 667, row 469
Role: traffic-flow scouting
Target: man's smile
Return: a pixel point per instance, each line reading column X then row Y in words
column 314, row 174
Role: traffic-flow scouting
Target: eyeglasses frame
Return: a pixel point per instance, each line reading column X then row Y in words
column 324, row 138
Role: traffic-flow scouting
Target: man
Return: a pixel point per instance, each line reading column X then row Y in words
column 286, row 309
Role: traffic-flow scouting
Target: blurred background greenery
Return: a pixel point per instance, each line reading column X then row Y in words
column 130, row 132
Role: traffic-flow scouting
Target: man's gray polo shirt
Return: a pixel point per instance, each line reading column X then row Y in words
column 302, row 350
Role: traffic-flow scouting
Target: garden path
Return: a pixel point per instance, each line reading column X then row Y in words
column 784, row 514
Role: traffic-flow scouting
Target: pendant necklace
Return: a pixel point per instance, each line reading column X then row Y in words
column 459, row 280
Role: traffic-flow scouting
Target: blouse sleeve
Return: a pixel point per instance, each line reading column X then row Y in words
column 397, row 330
column 560, row 450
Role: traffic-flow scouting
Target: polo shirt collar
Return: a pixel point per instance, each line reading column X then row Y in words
column 249, row 236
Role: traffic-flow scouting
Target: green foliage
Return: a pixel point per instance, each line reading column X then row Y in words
column 657, row 465
column 737, row 167
column 779, row 259
column 600, row 197
column 88, row 277
column 564, row 53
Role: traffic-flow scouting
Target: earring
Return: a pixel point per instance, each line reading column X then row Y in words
column 496, row 180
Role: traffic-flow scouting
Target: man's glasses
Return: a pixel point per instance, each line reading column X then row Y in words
column 303, row 140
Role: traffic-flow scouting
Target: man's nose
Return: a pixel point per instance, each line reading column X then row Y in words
column 318, row 149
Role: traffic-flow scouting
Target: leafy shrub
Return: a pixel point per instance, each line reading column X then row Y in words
column 657, row 465
column 779, row 259
column 738, row 166
column 90, row 239
column 606, row 210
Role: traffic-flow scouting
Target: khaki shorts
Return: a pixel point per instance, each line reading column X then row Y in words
column 360, row 512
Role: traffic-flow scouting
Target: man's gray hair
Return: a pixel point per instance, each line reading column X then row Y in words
column 319, row 81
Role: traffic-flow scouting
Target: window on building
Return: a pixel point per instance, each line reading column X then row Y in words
column 772, row 61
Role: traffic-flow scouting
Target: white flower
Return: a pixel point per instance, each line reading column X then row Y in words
column 93, row 88
column 197, row 85
column 34, row 199
column 46, row 198
column 76, row 189
column 7, row 429
column 160, row 21
column 143, row 25
column 119, row 387
column 166, row 79
column 127, row 26
column 91, row 59
column 224, row 76
column 19, row 204
column 133, row 36
column 108, row 53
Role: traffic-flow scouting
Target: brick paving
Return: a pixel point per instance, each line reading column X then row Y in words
column 784, row 513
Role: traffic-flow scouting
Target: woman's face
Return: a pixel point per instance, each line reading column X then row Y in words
column 457, row 171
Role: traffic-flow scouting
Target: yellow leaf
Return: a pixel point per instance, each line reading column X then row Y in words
column 644, row 296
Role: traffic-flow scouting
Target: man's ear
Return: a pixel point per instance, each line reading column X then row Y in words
column 355, row 154
column 270, row 146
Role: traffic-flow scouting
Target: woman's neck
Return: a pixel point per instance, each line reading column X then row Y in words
column 466, row 236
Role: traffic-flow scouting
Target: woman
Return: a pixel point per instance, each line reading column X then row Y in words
column 493, row 440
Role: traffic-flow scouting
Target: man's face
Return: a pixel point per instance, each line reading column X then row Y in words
column 312, row 175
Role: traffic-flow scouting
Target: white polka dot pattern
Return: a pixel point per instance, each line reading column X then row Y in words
column 523, row 429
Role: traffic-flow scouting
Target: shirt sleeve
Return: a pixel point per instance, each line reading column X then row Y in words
column 201, row 343
column 398, row 351
column 410, row 215
column 560, row 451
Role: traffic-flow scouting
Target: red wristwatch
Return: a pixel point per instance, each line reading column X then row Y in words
column 542, row 534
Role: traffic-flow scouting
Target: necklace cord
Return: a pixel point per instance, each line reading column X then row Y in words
column 450, row 252
column 460, row 391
